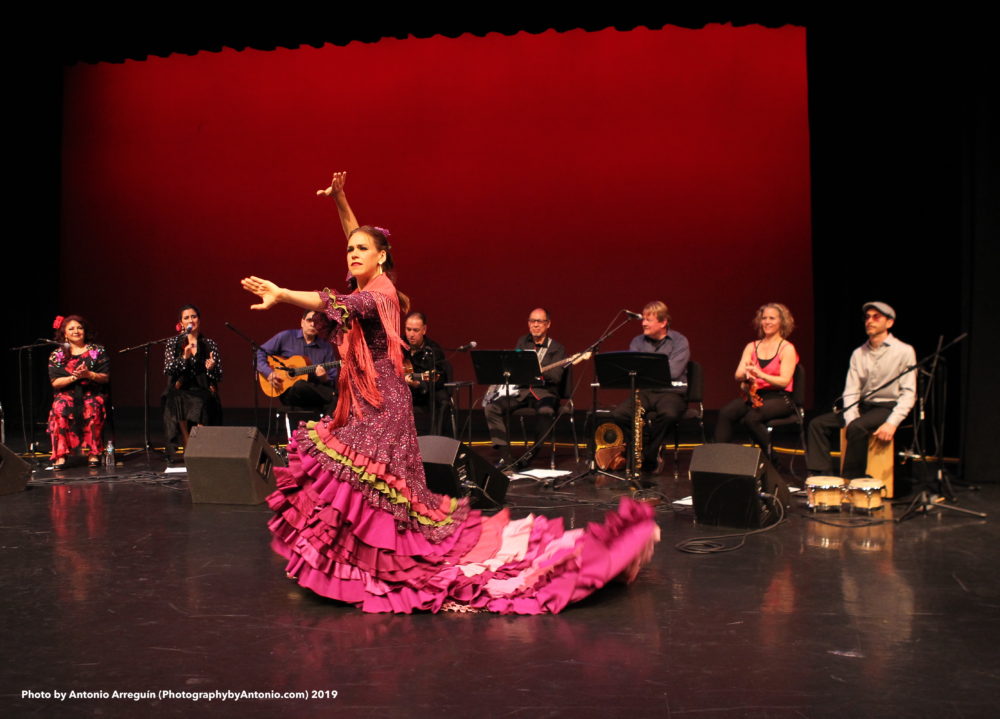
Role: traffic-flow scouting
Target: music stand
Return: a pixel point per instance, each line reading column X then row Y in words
column 520, row 368
column 632, row 371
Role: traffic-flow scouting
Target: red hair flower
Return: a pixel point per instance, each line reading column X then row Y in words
column 57, row 322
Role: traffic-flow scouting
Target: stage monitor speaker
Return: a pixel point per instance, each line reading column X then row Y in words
column 453, row 468
column 728, row 484
column 14, row 471
column 229, row 465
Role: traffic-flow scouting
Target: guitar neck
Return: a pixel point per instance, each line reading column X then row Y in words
column 574, row 359
column 296, row 371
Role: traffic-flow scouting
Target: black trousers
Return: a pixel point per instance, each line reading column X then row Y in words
column 442, row 414
column 546, row 408
column 663, row 409
column 821, row 429
column 310, row 395
column 777, row 404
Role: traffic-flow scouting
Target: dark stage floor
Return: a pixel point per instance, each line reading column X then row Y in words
column 119, row 583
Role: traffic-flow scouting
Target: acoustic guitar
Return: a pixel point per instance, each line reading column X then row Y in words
column 409, row 374
column 295, row 369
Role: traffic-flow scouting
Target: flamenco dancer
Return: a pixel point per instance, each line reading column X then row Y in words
column 353, row 515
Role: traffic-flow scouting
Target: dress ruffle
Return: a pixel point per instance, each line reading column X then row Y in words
column 353, row 531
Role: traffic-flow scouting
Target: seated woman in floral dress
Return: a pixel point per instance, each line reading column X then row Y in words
column 78, row 371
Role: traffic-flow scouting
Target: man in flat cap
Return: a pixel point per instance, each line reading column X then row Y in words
column 873, row 364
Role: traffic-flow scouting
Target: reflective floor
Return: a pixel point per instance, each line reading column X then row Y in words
column 117, row 583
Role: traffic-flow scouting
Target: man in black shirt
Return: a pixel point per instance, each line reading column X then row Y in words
column 430, row 372
column 542, row 397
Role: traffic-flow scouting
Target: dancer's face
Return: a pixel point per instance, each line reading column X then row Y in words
column 363, row 257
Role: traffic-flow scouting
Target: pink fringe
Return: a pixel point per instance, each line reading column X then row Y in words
column 358, row 369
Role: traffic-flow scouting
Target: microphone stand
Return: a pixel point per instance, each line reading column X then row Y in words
column 254, row 349
column 145, row 347
column 30, row 448
column 927, row 501
column 427, row 352
column 454, row 389
column 594, row 349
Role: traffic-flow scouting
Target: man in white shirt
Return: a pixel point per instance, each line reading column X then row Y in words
column 873, row 364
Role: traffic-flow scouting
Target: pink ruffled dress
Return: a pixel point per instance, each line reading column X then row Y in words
column 356, row 522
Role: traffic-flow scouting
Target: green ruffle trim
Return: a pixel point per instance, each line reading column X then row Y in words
column 344, row 312
column 377, row 482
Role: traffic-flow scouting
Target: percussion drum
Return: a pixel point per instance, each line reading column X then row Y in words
column 826, row 493
column 865, row 495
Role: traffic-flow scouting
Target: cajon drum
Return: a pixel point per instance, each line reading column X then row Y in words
column 880, row 460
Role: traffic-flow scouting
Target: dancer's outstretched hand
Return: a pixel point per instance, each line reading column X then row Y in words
column 268, row 292
column 336, row 185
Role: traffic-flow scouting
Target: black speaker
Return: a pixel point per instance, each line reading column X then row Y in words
column 728, row 482
column 229, row 465
column 14, row 471
column 452, row 468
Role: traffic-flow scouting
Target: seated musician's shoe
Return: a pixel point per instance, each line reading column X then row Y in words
column 651, row 463
column 505, row 459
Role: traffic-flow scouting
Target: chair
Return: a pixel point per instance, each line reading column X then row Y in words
column 796, row 418
column 694, row 395
column 566, row 409
column 284, row 416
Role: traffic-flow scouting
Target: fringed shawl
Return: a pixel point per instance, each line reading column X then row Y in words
column 357, row 372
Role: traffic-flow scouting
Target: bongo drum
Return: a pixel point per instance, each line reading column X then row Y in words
column 826, row 493
column 865, row 495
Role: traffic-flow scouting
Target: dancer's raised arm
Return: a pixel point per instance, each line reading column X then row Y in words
column 336, row 190
column 270, row 294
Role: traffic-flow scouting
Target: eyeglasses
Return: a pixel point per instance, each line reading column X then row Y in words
column 532, row 321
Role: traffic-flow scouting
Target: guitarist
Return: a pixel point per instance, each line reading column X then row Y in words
column 543, row 396
column 310, row 341
column 430, row 371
